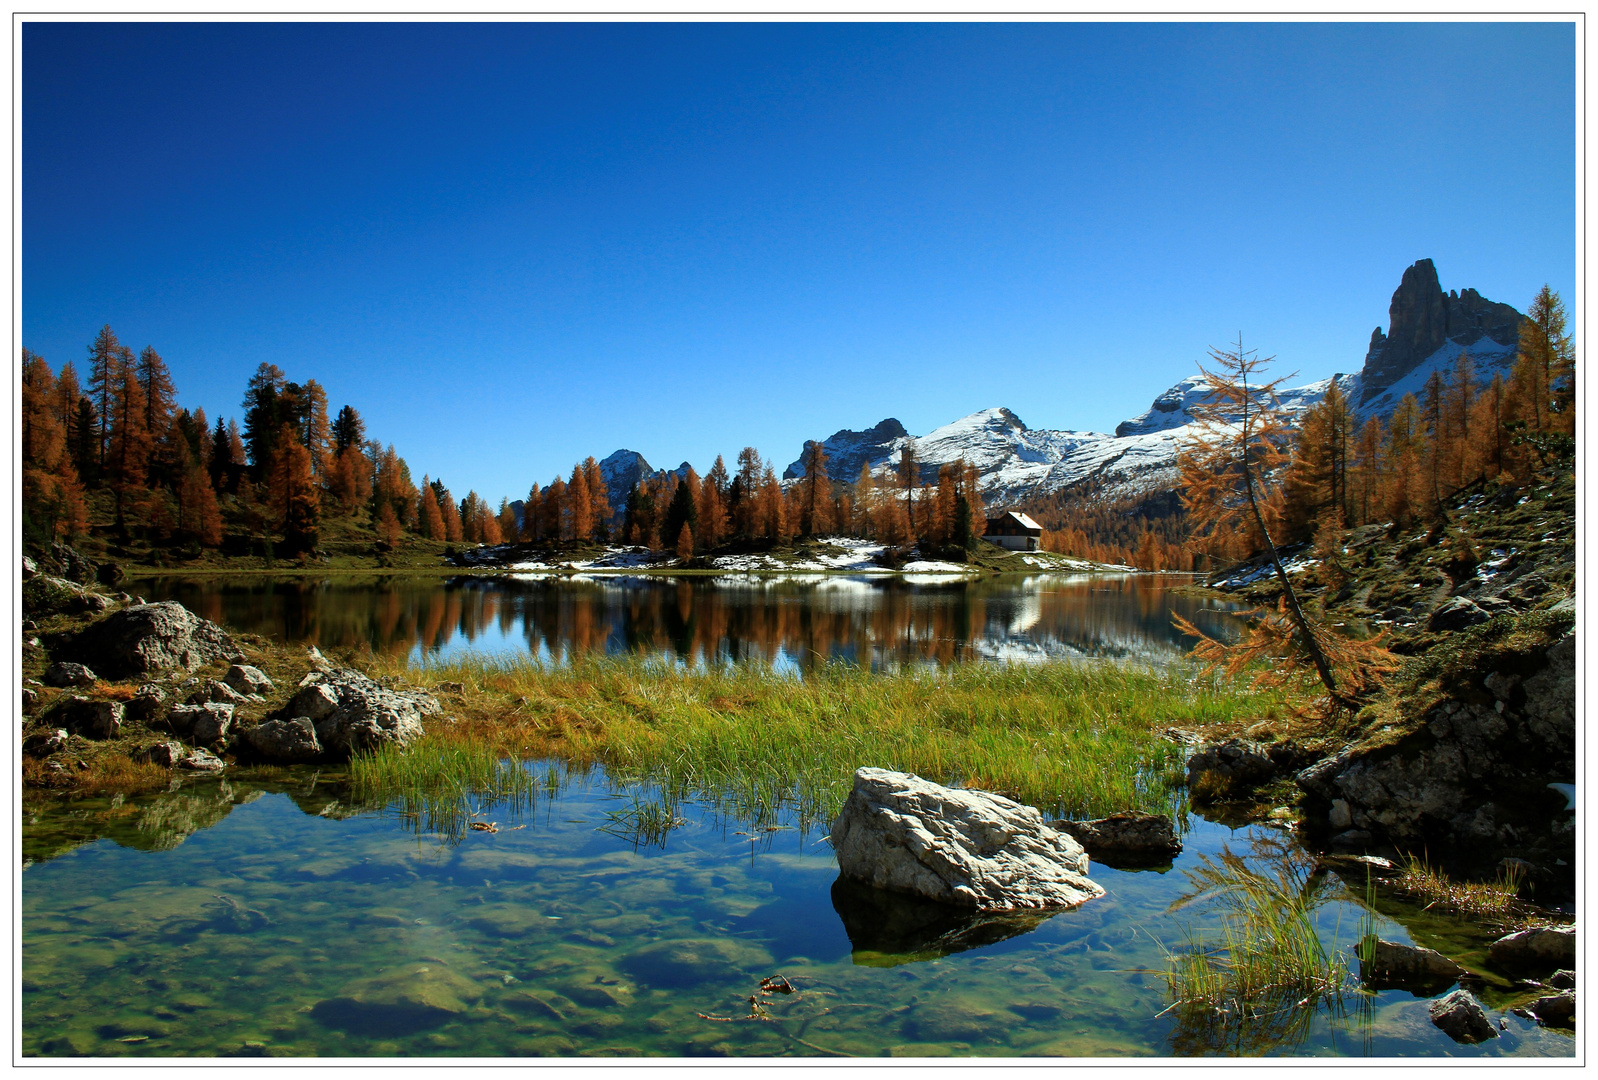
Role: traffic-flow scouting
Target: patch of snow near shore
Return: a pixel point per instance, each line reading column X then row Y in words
column 935, row 566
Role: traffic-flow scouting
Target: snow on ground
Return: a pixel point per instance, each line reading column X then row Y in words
column 936, row 566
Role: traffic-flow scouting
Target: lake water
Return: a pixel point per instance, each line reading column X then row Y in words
column 265, row 914
column 790, row 621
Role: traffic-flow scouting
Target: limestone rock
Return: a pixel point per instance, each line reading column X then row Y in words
column 219, row 692
column 147, row 705
column 1563, row 979
column 211, row 725
column 1537, row 951
column 1127, row 833
column 30, row 700
column 1462, row 1018
column 45, row 743
column 1556, row 1009
column 352, row 713
column 285, row 741
column 191, row 721
column 29, row 568
column 1388, row 963
column 967, row 848
column 1227, row 768
column 1457, row 614
column 65, row 674
column 247, row 679
column 90, row 718
column 166, row 754
column 150, row 637
column 200, row 760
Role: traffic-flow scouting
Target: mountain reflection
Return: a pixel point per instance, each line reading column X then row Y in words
column 874, row 623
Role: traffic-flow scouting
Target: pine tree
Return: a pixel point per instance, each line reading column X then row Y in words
column 682, row 509
column 348, row 430
column 316, row 434
column 746, row 508
column 865, row 501
column 262, row 417
column 160, row 403
column 128, row 456
column 556, row 515
column 815, row 491
column 598, row 500
column 1227, row 468
column 292, row 495
column 581, row 506
column 1405, row 440
column 105, row 359
column 532, row 515
column 508, row 529
column 451, row 514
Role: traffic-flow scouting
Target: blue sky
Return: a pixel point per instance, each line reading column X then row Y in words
column 514, row 245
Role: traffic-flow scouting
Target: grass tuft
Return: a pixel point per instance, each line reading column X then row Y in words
column 1496, row 901
column 1073, row 740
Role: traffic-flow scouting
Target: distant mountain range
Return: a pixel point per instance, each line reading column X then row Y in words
column 1427, row 330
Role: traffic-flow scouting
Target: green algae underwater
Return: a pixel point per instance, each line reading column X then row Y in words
column 267, row 914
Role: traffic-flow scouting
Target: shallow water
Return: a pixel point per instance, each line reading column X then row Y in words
column 264, row 914
column 791, row 621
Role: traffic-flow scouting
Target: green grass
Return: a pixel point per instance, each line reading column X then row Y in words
column 440, row 786
column 1261, row 980
column 1073, row 740
column 1495, row 902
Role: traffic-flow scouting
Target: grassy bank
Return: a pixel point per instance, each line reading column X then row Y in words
column 1071, row 740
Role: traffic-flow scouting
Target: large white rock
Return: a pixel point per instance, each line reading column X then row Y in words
column 967, row 848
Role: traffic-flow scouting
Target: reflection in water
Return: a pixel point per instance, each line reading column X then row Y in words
column 887, row 928
column 793, row 620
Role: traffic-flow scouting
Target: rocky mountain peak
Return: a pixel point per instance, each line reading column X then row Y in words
column 1422, row 319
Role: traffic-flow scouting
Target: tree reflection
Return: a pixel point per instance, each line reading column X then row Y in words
column 874, row 623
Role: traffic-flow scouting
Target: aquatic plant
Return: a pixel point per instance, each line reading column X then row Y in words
column 1496, row 900
column 643, row 823
column 439, row 784
column 1261, row 982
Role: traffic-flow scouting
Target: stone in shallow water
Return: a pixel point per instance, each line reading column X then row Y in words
column 971, row 849
column 399, row 1002
column 1462, row 1018
column 1538, row 951
column 1388, row 963
column 692, row 961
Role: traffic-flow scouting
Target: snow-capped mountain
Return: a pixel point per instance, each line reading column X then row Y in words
column 1428, row 331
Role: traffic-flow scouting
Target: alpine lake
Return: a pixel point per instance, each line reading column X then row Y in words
column 270, row 913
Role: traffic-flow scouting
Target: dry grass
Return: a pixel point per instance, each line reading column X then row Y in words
column 104, row 772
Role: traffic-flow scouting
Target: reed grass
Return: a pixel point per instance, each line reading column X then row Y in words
column 1496, row 901
column 1261, row 980
column 441, row 784
column 1073, row 740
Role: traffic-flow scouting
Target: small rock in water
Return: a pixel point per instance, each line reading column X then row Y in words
column 1228, row 768
column 1126, row 833
column 1536, row 951
column 1557, row 1009
column 1462, row 1018
column 1388, row 963
column 967, row 848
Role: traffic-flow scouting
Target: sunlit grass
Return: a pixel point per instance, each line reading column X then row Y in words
column 1495, row 901
column 1261, row 980
column 1077, row 740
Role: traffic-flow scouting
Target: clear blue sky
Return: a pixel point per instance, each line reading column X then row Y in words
column 514, row 245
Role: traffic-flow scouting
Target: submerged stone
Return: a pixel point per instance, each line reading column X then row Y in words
column 1462, row 1018
column 691, row 961
column 400, row 1001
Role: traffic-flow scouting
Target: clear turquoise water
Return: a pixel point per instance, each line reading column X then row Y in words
column 265, row 915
